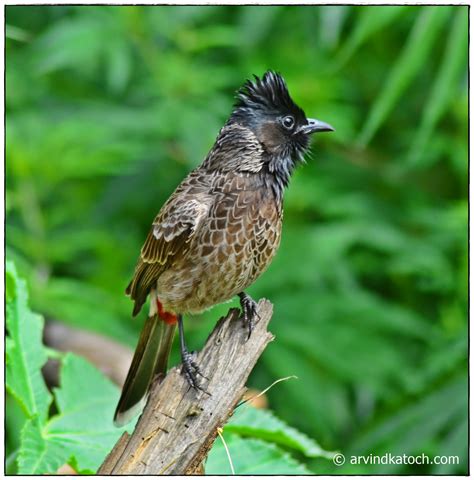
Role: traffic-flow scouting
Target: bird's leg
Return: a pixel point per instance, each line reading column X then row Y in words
column 249, row 311
column 190, row 367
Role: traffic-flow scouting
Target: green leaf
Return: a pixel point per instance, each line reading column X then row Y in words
column 444, row 87
column 369, row 22
column 251, row 457
column 15, row 33
column 255, row 23
column 251, row 422
column 24, row 350
column 100, row 312
column 409, row 63
column 119, row 65
column 456, row 440
column 37, row 455
column 408, row 429
column 82, row 433
column 77, row 44
column 14, row 422
column 332, row 21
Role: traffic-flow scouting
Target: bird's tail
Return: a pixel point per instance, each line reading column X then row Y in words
column 150, row 359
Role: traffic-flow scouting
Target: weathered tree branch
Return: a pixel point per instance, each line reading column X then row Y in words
column 179, row 425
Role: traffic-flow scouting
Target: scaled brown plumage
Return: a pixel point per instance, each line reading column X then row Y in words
column 214, row 236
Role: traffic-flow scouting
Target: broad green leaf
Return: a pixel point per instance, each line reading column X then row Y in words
column 14, row 423
column 82, row 432
column 417, row 47
column 445, row 85
column 24, row 350
column 251, row 457
column 263, row 424
column 38, row 455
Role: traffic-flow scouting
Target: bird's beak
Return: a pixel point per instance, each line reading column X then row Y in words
column 315, row 126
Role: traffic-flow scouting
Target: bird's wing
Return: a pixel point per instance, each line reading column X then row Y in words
column 170, row 235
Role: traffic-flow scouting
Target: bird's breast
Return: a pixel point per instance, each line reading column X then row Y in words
column 233, row 246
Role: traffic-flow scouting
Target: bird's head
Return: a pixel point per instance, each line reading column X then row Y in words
column 265, row 107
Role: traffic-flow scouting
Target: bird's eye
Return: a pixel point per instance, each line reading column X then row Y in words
column 288, row 122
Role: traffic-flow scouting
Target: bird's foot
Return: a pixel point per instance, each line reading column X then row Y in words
column 249, row 312
column 191, row 370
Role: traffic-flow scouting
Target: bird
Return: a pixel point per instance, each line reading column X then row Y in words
column 219, row 230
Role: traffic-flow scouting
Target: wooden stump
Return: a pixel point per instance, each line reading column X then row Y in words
column 179, row 424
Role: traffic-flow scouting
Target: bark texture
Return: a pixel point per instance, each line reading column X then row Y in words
column 179, row 425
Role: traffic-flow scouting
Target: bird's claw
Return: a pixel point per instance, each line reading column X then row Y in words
column 249, row 312
column 191, row 370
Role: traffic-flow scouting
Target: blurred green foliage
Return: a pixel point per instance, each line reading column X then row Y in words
column 108, row 108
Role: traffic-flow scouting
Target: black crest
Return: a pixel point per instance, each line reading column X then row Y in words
column 268, row 94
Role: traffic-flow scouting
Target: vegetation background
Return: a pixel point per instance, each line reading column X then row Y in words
column 108, row 108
